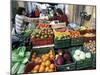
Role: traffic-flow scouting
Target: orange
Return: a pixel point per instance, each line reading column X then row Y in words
column 41, row 69
column 40, row 60
column 47, row 63
column 37, row 59
column 34, row 71
column 33, row 56
column 33, row 59
column 47, row 55
column 52, row 66
column 50, row 70
column 45, row 58
column 36, row 67
column 43, row 63
column 47, row 69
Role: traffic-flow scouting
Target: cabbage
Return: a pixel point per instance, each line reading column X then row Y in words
column 77, row 52
column 82, row 55
column 76, row 57
column 88, row 55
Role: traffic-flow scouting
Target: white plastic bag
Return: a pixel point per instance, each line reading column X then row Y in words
column 13, row 31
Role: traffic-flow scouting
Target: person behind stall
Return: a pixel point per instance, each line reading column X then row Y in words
column 20, row 20
column 35, row 12
column 20, row 25
column 60, row 16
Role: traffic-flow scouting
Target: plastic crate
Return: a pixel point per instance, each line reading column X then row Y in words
column 59, row 25
column 39, row 52
column 66, row 67
column 93, row 57
column 40, row 42
column 83, row 63
column 94, row 60
column 76, row 41
column 88, row 31
column 87, row 39
column 62, row 43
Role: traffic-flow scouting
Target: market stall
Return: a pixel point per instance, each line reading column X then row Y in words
column 52, row 46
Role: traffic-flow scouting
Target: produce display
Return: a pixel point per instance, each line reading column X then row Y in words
column 64, row 54
column 42, row 33
column 42, row 25
column 91, row 46
column 63, row 57
column 80, row 55
column 19, row 58
column 27, row 32
column 59, row 35
column 74, row 34
column 44, row 63
column 83, row 58
column 42, row 36
column 89, row 35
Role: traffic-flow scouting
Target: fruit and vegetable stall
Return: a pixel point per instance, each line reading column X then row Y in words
column 49, row 49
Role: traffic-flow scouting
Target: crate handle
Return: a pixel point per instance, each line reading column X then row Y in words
column 68, row 68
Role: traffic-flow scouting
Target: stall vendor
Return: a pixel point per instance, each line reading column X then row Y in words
column 60, row 16
column 20, row 20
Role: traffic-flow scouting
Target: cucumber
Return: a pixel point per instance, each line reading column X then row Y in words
column 15, row 68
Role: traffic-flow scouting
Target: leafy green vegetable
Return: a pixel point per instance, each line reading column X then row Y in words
column 22, row 51
column 21, row 69
column 15, row 68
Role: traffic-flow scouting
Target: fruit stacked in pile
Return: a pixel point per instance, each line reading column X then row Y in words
column 91, row 46
column 89, row 35
column 42, row 33
column 61, row 34
column 46, row 63
column 63, row 57
column 42, row 25
column 74, row 34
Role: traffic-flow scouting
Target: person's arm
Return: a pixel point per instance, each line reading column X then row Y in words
column 27, row 19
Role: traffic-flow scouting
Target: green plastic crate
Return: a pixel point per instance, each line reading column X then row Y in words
column 83, row 63
column 66, row 67
column 76, row 41
column 94, row 60
column 93, row 57
column 41, row 51
column 62, row 43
